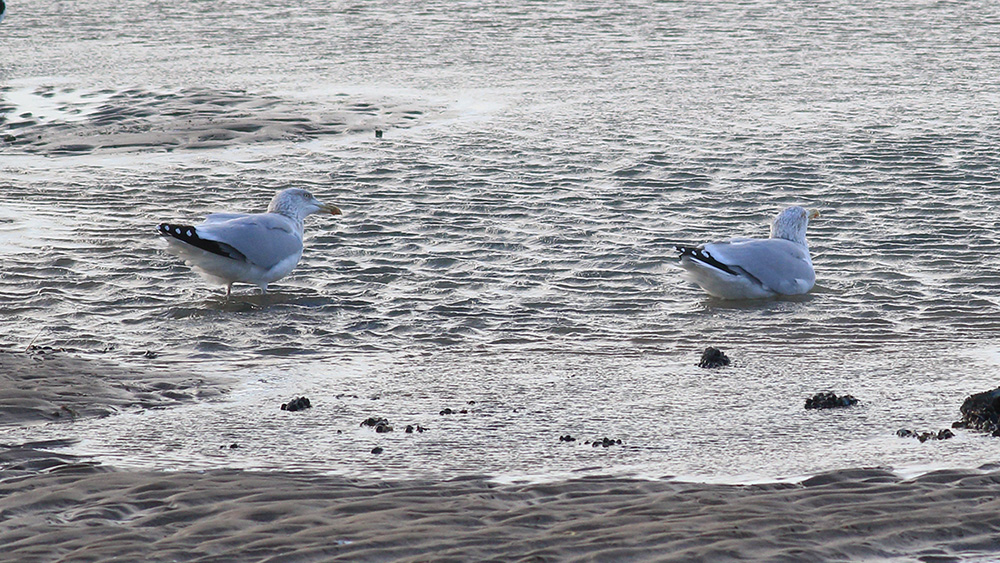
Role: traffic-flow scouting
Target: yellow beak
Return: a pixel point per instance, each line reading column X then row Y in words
column 331, row 209
column 814, row 213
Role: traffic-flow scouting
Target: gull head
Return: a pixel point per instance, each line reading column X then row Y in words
column 791, row 224
column 297, row 203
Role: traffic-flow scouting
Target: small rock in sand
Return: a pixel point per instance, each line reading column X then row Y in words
column 713, row 358
column 981, row 411
column 299, row 404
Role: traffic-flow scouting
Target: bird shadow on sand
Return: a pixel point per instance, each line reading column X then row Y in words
column 296, row 297
column 252, row 300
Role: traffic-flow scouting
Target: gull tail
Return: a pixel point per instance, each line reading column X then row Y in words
column 189, row 235
column 698, row 254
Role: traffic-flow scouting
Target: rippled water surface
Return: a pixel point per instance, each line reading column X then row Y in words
column 508, row 241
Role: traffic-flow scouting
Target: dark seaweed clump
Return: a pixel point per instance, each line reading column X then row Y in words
column 924, row 436
column 381, row 425
column 829, row 400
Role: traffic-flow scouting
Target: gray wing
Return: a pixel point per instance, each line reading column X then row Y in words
column 778, row 264
column 264, row 238
column 219, row 217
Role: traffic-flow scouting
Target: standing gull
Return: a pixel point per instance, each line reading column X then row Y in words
column 256, row 248
column 756, row 268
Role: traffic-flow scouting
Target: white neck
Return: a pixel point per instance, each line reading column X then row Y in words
column 790, row 227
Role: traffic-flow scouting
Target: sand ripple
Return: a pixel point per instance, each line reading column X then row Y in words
column 76, row 512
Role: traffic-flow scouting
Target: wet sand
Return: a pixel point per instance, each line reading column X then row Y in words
column 54, row 121
column 46, row 384
column 56, row 507
column 74, row 512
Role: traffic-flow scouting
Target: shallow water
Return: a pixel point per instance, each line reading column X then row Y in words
column 509, row 240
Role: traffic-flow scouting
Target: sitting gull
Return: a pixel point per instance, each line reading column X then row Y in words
column 756, row 268
column 256, row 248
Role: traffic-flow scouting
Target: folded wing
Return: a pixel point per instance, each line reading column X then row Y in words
column 263, row 239
column 779, row 265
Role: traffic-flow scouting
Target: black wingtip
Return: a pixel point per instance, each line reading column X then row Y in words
column 189, row 234
column 699, row 254
column 166, row 229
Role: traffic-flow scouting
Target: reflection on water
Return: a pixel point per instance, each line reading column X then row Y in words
column 25, row 230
